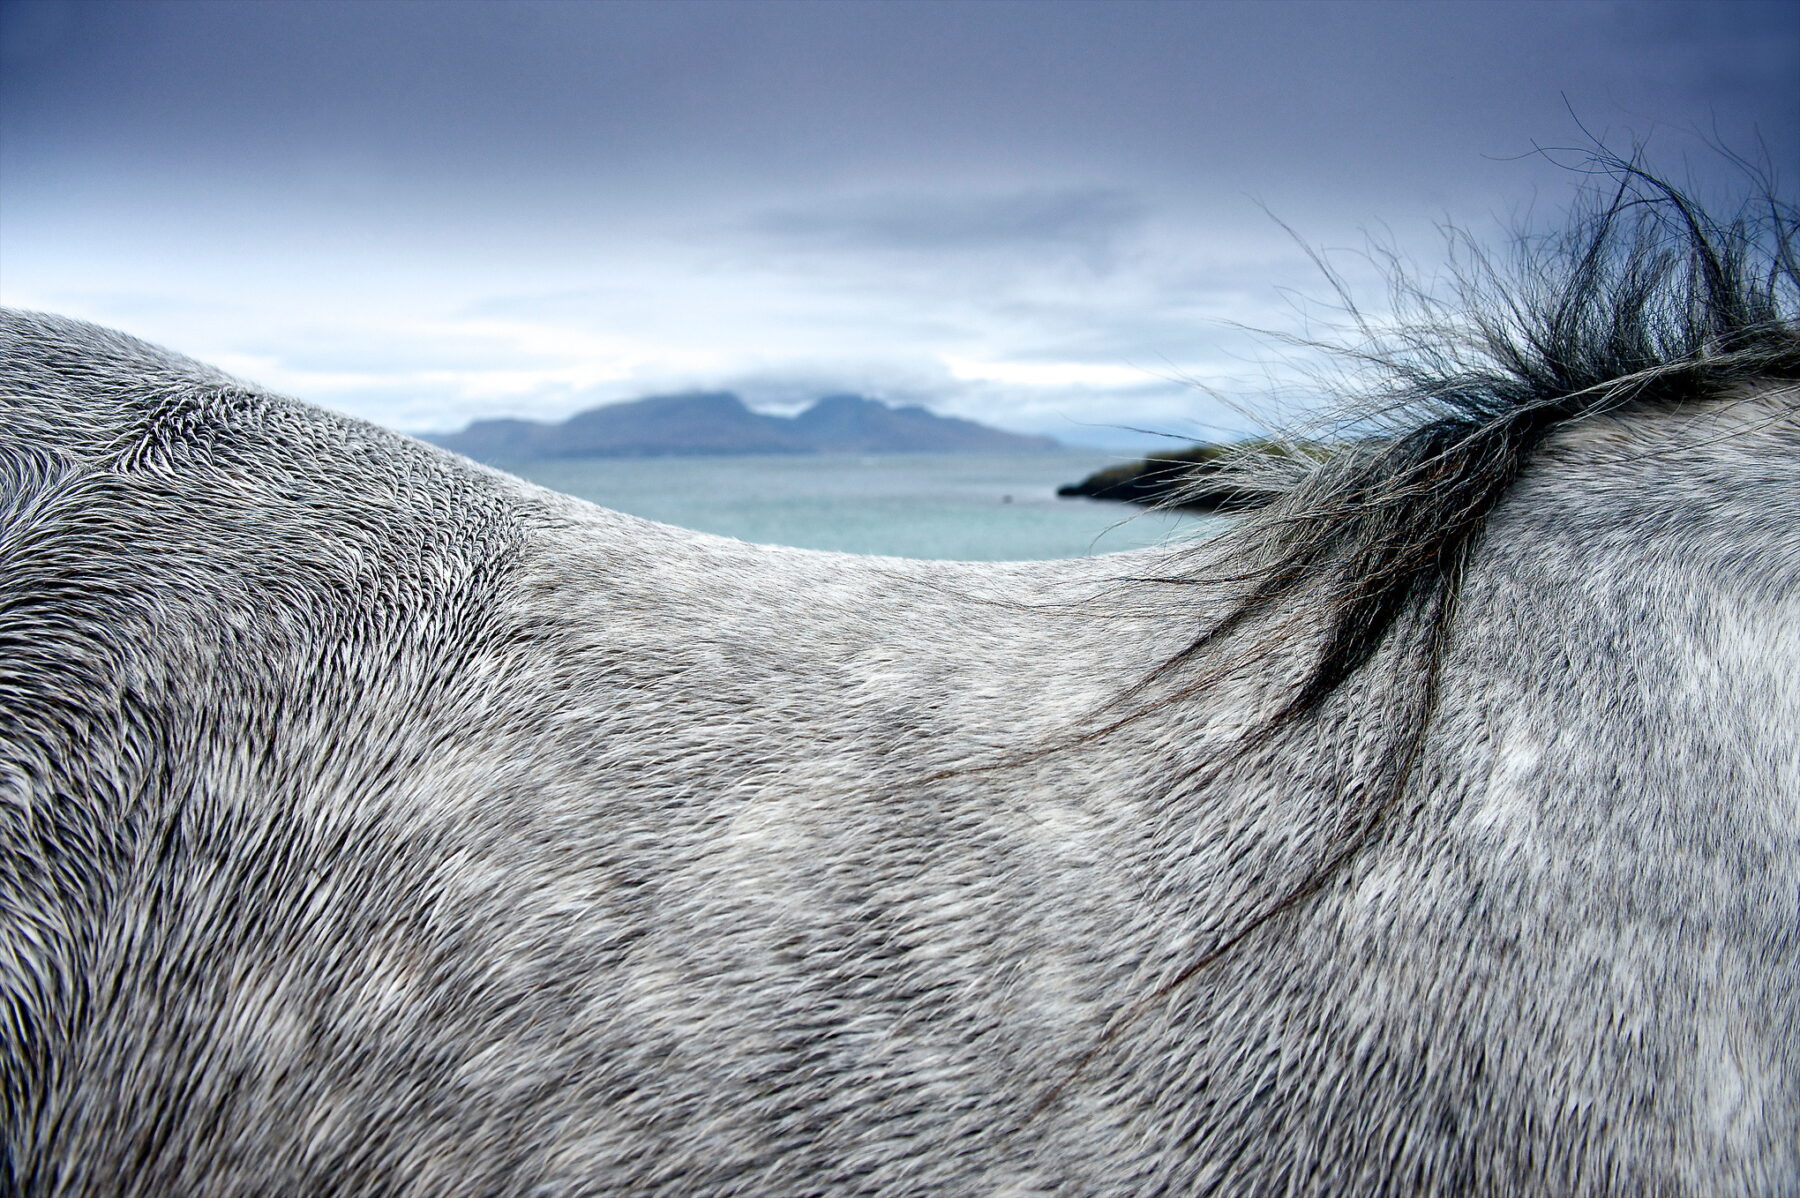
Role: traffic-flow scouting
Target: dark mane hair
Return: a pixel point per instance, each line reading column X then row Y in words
column 1645, row 300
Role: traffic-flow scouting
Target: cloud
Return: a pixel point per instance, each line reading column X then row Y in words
column 1036, row 216
column 1086, row 223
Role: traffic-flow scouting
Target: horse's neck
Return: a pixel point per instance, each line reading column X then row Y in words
column 1615, row 697
column 1620, row 694
column 1587, row 875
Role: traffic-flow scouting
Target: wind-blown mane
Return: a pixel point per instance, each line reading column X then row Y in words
column 1648, row 302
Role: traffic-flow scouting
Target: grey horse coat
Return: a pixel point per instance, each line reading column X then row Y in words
column 373, row 823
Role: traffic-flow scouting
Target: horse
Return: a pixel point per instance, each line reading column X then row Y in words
column 376, row 823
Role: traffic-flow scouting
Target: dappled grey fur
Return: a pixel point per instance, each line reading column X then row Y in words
column 378, row 824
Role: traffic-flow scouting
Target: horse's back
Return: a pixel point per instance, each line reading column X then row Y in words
column 376, row 823
column 383, row 824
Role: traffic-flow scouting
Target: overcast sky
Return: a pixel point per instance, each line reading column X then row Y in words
column 1043, row 215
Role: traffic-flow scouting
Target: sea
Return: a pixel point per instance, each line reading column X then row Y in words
column 953, row 506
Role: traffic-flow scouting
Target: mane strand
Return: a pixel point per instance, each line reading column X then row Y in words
column 1648, row 301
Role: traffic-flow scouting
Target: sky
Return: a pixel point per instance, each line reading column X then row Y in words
column 1063, row 218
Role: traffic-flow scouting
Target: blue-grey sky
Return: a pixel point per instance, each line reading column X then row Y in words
column 1047, row 215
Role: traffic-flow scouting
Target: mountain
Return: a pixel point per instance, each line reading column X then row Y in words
column 717, row 422
column 703, row 422
column 852, row 424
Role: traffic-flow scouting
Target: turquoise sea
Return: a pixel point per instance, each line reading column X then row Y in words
column 972, row 507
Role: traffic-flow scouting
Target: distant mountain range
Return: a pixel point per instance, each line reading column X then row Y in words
column 718, row 422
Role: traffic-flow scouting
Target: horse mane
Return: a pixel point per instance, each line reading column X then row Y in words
column 1644, row 301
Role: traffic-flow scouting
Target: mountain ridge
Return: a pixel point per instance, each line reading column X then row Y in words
column 720, row 423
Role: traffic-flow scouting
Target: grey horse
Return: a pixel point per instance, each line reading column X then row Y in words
column 374, row 823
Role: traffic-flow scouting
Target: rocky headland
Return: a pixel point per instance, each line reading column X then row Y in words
column 1189, row 479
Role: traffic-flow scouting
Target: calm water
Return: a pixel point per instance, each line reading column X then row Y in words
column 974, row 507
